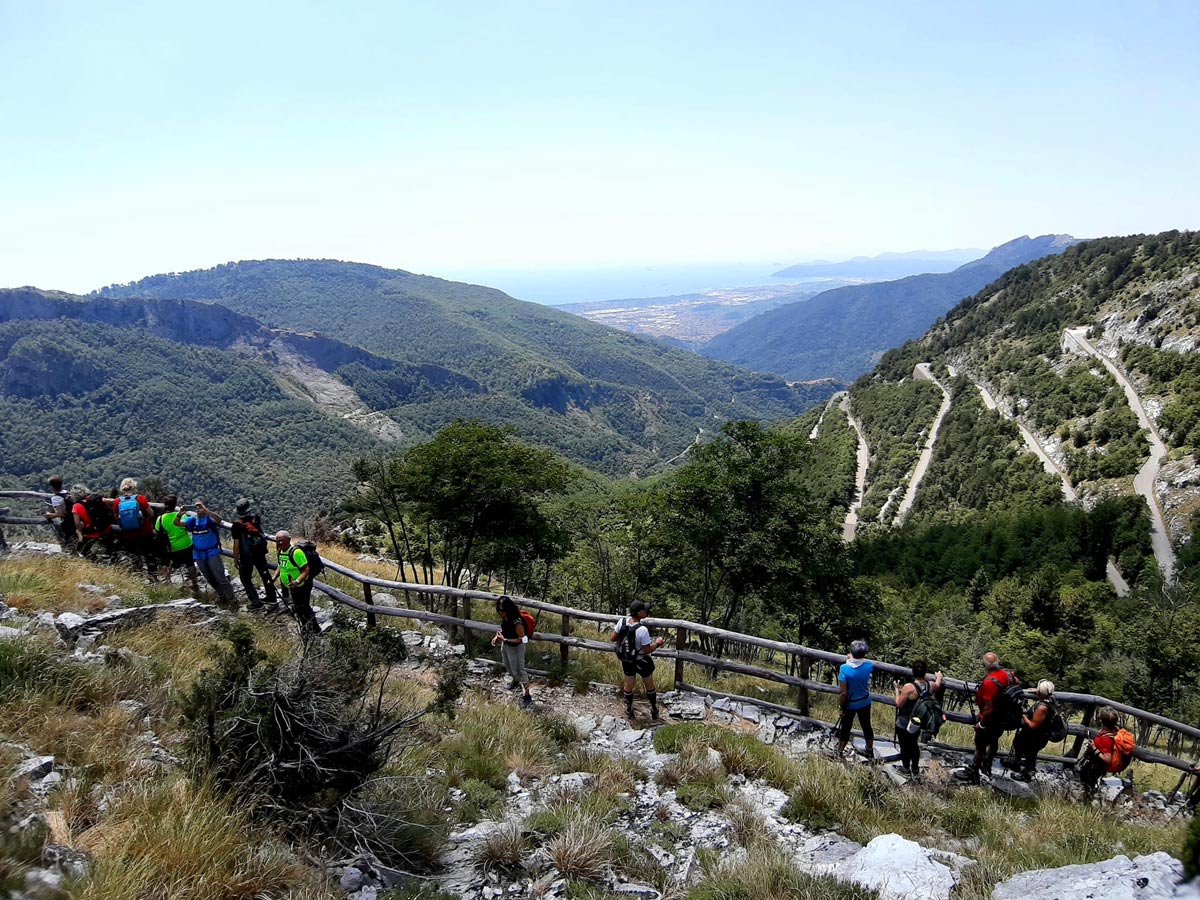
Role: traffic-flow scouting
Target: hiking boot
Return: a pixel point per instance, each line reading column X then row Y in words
column 514, row 685
column 1021, row 776
column 654, row 714
column 629, row 711
column 969, row 775
column 526, row 702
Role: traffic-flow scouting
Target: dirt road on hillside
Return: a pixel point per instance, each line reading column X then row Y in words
column 922, row 372
column 850, row 526
column 1143, row 481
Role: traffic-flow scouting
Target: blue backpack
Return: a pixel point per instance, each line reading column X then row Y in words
column 129, row 514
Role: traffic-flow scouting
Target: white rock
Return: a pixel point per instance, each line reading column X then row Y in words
column 899, row 869
column 69, row 621
column 584, row 725
column 514, row 783
column 35, row 767
column 629, row 737
column 1121, row 878
column 575, row 781
column 7, row 634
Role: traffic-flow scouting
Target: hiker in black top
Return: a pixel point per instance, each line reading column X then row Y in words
column 60, row 516
column 1034, row 734
column 250, row 554
column 908, row 729
column 634, row 647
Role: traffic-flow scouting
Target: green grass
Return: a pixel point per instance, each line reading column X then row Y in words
column 767, row 873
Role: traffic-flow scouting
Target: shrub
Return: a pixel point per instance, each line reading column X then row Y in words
column 1191, row 850
column 479, row 800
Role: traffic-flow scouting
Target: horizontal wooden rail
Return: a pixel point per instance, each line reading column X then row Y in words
column 683, row 628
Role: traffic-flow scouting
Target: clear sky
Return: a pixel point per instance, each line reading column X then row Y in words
column 138, row 138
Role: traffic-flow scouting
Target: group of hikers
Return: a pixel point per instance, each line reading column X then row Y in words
column 1001, row 706
column 188, row 538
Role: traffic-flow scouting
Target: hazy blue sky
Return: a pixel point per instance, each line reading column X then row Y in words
column 147, row 137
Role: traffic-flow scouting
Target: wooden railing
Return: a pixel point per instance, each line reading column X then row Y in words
column 799, row 657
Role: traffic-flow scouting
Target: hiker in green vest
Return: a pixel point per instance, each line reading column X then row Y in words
column 294, row 578
column 174, row 542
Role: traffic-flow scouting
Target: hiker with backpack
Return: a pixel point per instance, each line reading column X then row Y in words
column 204, row 526
column 1040, row 726
column 59, row 515
column 516, row 628
column 93, row 521
column 249, row 555
column 135, row 519
column 634, row 647
column 174, row 542
column 1109, row 753
column 854, row 697
column 918, row 714
column 999, row 699
column 296, row 573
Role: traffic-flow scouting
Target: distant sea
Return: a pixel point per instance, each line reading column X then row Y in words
column 558, row 287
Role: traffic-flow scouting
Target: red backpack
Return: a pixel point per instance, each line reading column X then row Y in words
column 529, row 624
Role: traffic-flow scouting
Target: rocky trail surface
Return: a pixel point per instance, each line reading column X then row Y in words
column 1144, row 480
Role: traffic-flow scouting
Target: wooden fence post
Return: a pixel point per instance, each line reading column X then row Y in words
column 466, row 607
column 802, row 692
column 1073, row 753
column 564, row 650
column 367, row 598
column 680, row 646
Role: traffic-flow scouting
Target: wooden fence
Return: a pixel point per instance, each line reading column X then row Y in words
column 796, row 673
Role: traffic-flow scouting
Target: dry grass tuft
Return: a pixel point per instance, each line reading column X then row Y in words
column 503, row 848
column 491, row 740
column 583, row 849
column 767, row 873
column 48, row 583
column 170, row 839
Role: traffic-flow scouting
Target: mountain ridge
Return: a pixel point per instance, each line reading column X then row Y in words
column 844, row 331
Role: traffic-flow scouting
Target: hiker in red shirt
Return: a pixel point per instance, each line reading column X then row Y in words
column 93, row 521
column 989, row 724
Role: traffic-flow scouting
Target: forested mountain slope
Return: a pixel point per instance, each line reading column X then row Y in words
column 95, row 403
column 1141, row 297
column 842, row 333
column 611, row 400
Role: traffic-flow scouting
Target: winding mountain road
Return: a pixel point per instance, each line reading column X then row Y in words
column 1115, row 578
column 816, row 429
column 1143, row 481
column 922, row 372
column 850, row 526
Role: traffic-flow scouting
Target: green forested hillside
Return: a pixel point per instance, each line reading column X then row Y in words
column 96, row 403
column 1140, row 295
column 614, row 401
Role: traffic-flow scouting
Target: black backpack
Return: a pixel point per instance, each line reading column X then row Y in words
column 99, row 512
column 627, row 641
column 1009, row 706
column 316, row 565
column 1056, row 728
column 68, row 520
column 254, row 542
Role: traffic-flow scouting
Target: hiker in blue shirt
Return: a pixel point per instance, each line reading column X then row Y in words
column 205, row 528
column 854, row 697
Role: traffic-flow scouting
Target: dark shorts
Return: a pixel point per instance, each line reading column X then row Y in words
column 988, row 736
column 643, row 666
column 179, row 559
